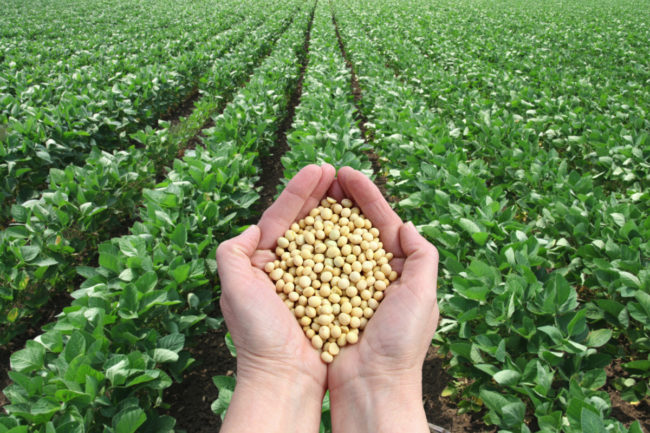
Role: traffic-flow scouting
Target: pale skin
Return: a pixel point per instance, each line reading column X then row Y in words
column 375, row 385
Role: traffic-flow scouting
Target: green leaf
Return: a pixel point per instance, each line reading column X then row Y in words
column 129, row 419
column 513, row 413
column 174, row 342
column 590, row 422
column 469, row 226
column 29, row 252
column 507, row 377
column 181, row 273
column 230, row 345
column 75, row 346
column 480, row 237
column 164, row 355
column 179, row 236
column 599, row 337
column 29, row 359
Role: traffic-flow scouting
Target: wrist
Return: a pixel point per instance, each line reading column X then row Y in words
column 277, row 402
column 379, row 404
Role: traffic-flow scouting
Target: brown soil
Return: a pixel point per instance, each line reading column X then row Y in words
column 46, row 314
column 190, row 400
column 443, row 411
column 622, row 410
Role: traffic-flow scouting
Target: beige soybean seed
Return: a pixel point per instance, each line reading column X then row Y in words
column 283, row 242
column 315, row 301
column 363, row 324
column 351, row 291
column 355, row 322
column 325, row 319
column 276, row 274
column 346, row 307
column 326, row 213
column 352, row 337
column 326, row 276
column 317, row 341
column 324, row 332
column 333, row 349
column 344, row 319
column 327, row 357
column 304, row 281
column 325, row 291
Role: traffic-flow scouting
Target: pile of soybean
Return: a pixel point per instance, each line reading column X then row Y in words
column 332, row 272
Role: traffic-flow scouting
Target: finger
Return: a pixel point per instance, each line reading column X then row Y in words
column 286, row 209
column 397, row 264
column 327, row 177
column 335, row 191
column 375, row 207
column 262, row 257
column 234, row 257
column 420, row 270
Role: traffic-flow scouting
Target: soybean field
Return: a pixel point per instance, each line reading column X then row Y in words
column 135, row 137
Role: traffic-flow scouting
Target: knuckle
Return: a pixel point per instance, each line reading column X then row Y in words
column 223, row 250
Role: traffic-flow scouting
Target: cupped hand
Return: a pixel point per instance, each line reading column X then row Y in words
column 392, row 347
column 269, row 340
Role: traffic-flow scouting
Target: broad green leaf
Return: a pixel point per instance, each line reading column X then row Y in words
column 599, row 337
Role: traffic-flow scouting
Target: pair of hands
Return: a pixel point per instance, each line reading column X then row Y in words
column 375, row 385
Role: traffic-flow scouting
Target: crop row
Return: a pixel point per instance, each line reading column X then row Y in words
column 87, row 205
column 105, row 362
column 69, row 90
column 324, row 130
column 511, row 262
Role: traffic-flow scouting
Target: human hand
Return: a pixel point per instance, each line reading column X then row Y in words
column 376, row 384
column 278, row 372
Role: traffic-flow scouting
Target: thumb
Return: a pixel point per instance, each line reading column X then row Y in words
column 234, row 255
column 420, row 270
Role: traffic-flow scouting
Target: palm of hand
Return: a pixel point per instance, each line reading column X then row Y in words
column 269, row 337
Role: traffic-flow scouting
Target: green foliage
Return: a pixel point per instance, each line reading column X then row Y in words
column 542, row 245
column 86, row 205
column 105, row 362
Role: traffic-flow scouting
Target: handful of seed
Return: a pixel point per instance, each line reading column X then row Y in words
column 332, row 272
